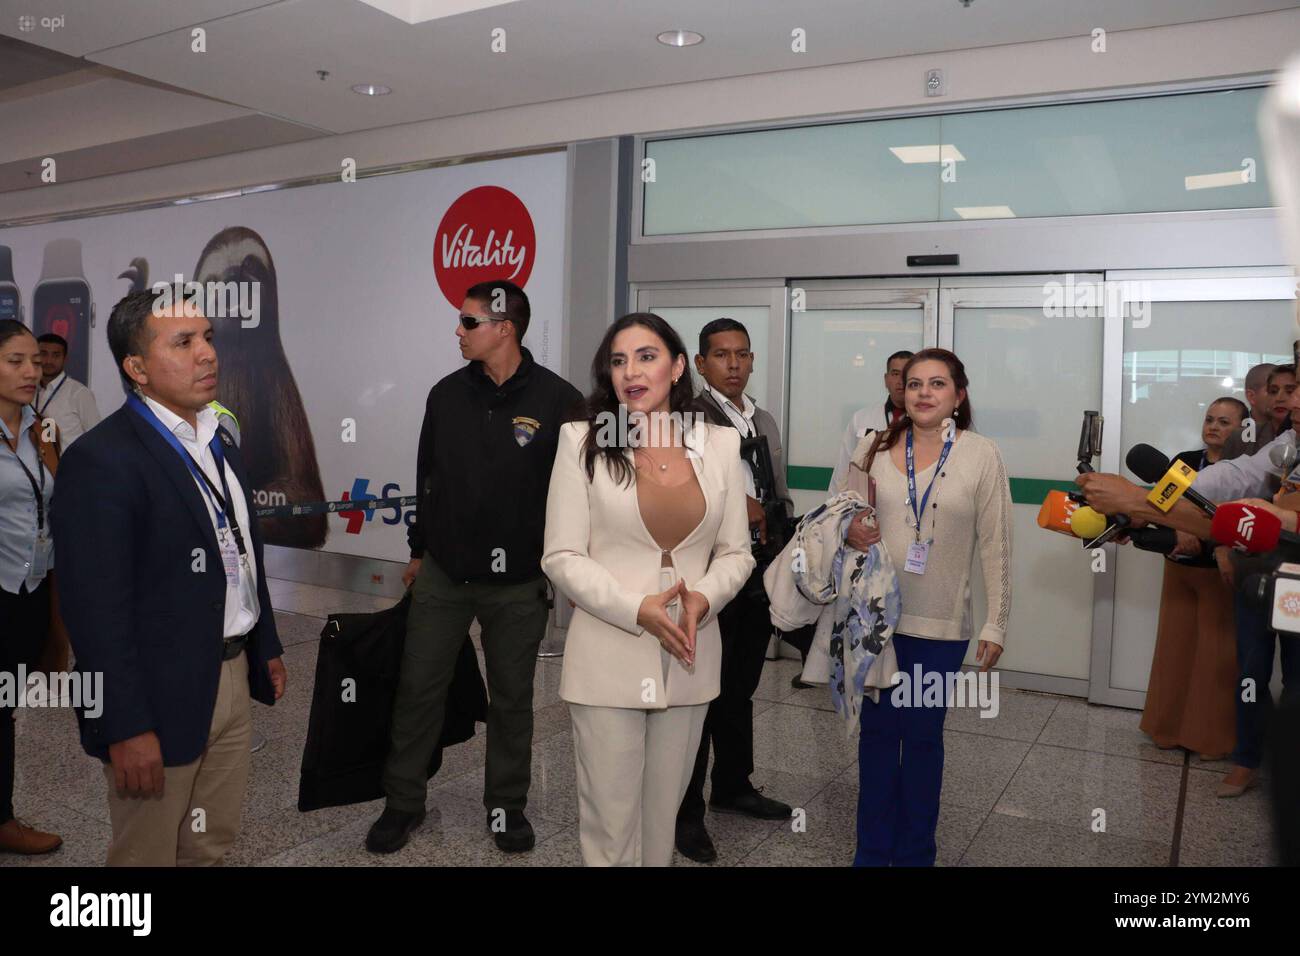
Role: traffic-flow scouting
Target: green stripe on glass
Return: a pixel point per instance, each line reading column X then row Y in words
column 1024, row 491
column 808, row 479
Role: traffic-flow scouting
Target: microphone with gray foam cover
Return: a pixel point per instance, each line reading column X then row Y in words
column 1283, row 458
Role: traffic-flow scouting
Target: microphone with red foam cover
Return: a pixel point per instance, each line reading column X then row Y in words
column 1247, row 528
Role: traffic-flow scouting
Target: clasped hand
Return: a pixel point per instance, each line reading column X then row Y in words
column 654, row 617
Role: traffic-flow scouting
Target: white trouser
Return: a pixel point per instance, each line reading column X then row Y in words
column 633, row 770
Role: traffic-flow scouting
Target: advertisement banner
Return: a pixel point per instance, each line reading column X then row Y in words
column 334, row 312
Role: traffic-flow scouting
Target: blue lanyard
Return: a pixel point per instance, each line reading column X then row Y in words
column 911, row 479
column 204, row 481
column 40, row 412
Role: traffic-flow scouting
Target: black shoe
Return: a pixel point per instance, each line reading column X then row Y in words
column 798, row 683
column 391, row 831
column 693, row 842
column 517, row 837
column 753, row 804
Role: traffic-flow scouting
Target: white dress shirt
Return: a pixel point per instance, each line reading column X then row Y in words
column 18, row 564
column 869, row 419
column 71, row 405
column 242, row 608
column 1244, row 477
column 743, row 419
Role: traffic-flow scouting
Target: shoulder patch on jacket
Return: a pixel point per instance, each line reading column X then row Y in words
column 525, row 429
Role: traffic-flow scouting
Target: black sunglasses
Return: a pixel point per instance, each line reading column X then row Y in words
column 472, row 322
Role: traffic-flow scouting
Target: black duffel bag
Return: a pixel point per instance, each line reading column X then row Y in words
column 348, row 733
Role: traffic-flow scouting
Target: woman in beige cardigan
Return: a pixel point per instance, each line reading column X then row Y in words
column 955, row 506
column 646, row 531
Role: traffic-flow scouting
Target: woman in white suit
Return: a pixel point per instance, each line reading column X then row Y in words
column 646, row 531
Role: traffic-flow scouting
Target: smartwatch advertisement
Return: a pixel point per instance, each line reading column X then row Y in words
column 11, row 302
column 61, row 303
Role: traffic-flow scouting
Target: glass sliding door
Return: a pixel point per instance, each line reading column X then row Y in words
column 1190, row 340
column 1033, row 349
column 759, row 306
column 841, row 334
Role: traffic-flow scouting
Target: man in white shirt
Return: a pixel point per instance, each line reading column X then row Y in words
column 62, row 399
column 873, row 417
column 163, row 589
column 1250, row 476
column 725, row 362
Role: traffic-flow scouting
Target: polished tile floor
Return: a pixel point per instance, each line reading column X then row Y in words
column 1021, row 789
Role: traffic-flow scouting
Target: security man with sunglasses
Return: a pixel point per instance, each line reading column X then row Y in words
column 482, row 473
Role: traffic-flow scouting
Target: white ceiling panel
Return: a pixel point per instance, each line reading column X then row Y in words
column 266, row 58
column 263, row 57
column 80, row 27
column 139, row 109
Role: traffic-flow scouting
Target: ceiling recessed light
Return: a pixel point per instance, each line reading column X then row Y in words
column 680, row 38
column 372, row 89
column 938, row 153
column 984, row 212
column 1236, row 177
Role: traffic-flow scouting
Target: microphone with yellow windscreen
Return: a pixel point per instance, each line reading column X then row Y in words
column 1086, row 523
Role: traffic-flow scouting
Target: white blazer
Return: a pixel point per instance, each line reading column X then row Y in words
column 599, row 553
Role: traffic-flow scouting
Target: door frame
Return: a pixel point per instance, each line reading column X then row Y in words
column 1020, row 291
column 1156, row 285
column 769, row 293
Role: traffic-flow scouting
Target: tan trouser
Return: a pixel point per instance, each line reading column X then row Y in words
column 633, row 768
column 169, row 830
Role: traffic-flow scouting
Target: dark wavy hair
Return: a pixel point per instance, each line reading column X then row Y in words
column 603, row 400
column 11, row 327
column 963, row 415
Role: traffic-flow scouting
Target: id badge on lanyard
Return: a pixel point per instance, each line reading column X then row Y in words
column 41, row 554
column 229, row 558
column 918, row 552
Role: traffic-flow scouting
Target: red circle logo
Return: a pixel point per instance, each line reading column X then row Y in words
column 485, row 235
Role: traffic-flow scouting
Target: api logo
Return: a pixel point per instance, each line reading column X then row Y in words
column 358, row 516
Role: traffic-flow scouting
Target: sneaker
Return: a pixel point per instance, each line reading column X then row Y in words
column 391, row 831
column 693, row 842
column 517, row 837
column 752, row 804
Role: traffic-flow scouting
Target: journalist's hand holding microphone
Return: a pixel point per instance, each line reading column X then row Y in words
column 1111, row 494
column 1188, row 545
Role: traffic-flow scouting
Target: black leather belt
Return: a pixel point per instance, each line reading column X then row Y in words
column 235, row 646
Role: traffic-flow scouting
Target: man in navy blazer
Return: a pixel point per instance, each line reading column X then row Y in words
column 163, row 590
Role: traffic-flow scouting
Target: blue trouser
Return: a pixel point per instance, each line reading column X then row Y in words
column 900, row 763
column 1255, row 661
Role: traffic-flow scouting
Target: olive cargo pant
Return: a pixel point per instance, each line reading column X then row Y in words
column 513, row 620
